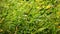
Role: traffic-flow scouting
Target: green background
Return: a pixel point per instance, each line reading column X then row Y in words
column 29, row 16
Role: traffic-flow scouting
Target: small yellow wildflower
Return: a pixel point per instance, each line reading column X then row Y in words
column 58, row 27
column 1, row 30
column 48, row 7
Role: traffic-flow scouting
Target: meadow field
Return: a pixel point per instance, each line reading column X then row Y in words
column 29, row 16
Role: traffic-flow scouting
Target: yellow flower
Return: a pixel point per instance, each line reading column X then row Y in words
column 58, row 26
column 48, row 7
column 1, row 30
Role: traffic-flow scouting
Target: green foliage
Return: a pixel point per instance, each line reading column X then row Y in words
column 29, row 16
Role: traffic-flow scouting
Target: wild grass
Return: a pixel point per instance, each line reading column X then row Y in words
column 29, row 16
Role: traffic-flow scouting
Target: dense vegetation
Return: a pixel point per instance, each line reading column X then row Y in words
column 29, row 16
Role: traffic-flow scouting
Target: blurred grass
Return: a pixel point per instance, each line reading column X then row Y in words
column 29, row 16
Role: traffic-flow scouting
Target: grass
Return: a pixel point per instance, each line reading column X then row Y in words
column 29, row 16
